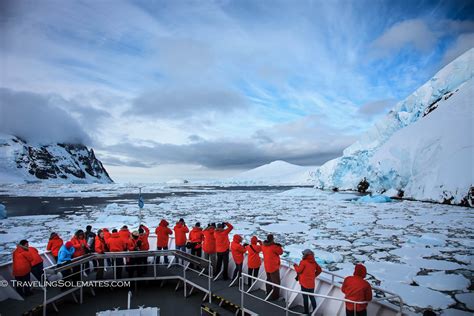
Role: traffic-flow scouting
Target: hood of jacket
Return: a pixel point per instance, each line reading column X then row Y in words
column 115, row 235
column 253, row 240
column 310, row 258
column 237, row 239
column 360, row 270
column 268, row 243
column 164, row 223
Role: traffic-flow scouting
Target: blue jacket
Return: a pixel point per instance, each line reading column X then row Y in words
column 65, row 254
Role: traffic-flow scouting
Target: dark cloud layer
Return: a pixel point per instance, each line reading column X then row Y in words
column 218, row 154
column 36, row 117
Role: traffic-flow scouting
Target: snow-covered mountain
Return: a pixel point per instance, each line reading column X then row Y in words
column 423, row 149
column 277, row 172
column 63, row 163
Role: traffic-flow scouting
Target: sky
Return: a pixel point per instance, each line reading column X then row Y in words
column 206, row 89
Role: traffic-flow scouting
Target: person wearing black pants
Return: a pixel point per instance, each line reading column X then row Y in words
column 223, row 259
column 253, row 272
column 158, row 257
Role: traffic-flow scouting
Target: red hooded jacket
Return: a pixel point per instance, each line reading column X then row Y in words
column 54, row 244
column 180, row 231
column 22, row 260
column 106, row 234
column 80, row 245
column 271, row 256
column 196, row 236
column 162, row 234
column 124, row 233
column 100, row 245
column 237, row 249
column 357, row 289
column 115, row 243
column 35, row 255
column 308, row 270
column 209, row 243
column 253, row 251
column 144, row 238
column 222, row 238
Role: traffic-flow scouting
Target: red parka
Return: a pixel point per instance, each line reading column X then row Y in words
column 253, row 251
column 209, row 242
column 54, row 244
column 100, row 245
column 124, row 233
column 22, row 260
column 80, row 245
column 162, row 234
column 106, row 234
column 196, row 236
column 180, row 231
column 35, row 255
column 308, row 270
column 115, row 243
column 222, row 238
column 357, row 289
column 237, row 249
column 144, row 238
column 271, row 256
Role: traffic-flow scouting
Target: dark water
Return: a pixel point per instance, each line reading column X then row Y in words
column 32, row 205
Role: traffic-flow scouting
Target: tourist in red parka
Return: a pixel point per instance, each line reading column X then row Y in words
column 307, row 271
column 79, row 243
column 54, row 244
column 209, row 244
column 125, row 234
column 144, row 232
column 271, row 261
column 22, row 260
column 37, row 263
column 222, row 248
column 116, row 244
column 238, row 250
column 357, row 289
column 162, row 238
column 254, row 261
column 106, row 234
column 196, row 237
column 180, row 230
column 101, row 247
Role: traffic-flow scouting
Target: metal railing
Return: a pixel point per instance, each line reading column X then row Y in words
column 288, row 290
column 75, row 270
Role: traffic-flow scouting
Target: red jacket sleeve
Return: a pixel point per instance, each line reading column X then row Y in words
column 318, row 270
column 48, row 247
column 229, row 228
column 299, row 268
column 368, row 294
column 147, row 231
column 170, row 232
column 343, row 287
column 279, row 250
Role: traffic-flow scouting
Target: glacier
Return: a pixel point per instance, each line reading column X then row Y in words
column 422, row 149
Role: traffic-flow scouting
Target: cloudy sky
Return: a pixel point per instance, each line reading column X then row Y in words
column 201, row 89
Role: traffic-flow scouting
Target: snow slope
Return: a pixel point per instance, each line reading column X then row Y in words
column 423, row 147
column 59, row 163
column 277, row 172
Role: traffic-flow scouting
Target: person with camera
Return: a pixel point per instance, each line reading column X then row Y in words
column 100, row 247
column 238, row 250
column 222, row 248
column 162, row 238
column 209, row 244
column 134, row 245
column 357, row 289
column 254, row 262
column 307, row 272
column 271, row 261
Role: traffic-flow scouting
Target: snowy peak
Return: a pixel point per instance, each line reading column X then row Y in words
column 21, row 161
column 422, row 149
column 276, row 172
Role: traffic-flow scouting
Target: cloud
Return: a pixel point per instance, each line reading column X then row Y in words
column 462, row 44
column 180, row 102
column 35, row 117
column 376, row 107
column 409, row 32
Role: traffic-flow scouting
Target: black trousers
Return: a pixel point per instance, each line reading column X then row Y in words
column 158, row 258
column 198, row 253
column 223, row 260
column 305, row 300
column 237, row 271
column 359, row 313
column 37, row 271
column 24, row 289
column 273, row 277
column 100, row 269
column 253, row 272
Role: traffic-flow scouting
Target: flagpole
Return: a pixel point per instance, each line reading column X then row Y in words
column 139, row 206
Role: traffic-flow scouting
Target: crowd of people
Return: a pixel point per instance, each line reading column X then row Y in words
column 212, row 241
